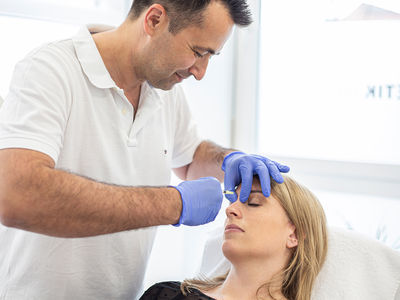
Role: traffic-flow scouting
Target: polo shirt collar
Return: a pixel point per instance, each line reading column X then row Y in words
column 90, row 58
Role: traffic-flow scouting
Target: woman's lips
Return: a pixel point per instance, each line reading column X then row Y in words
column 233, row 228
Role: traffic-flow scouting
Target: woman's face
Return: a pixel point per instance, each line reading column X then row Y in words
column 258, row 228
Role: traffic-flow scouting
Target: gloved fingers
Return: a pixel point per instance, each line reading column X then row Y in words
column 201, row 201
column 274, row 172
column 219, row 197
column 216, row 210
column 213, row 206
column 209, row 178
column 231, row 197
column 230, row 185
column 213, row 185
column 212, row 216
column 263, row 174
column 246, row 174
column 228, row 159
column 281, row 168
column 214, row 188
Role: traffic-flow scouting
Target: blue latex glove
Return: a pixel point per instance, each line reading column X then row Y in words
column 201, row 201
column 240, row 167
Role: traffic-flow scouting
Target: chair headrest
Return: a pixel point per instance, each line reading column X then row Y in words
column 357, row 267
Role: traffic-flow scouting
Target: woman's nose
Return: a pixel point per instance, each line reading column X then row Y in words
column 234, row 210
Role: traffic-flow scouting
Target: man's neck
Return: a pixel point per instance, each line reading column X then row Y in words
column 118, row 59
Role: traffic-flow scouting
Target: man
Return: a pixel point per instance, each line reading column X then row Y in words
column 89, row 133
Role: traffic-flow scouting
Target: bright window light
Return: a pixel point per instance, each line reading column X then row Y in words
column 330, row 89
column 20, row 36
column 26, row 24
column 110, row 12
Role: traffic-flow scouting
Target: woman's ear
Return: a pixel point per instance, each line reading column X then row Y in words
column 292, row 240
column 155, row 18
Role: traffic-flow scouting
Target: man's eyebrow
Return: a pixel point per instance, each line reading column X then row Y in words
column 205, row 49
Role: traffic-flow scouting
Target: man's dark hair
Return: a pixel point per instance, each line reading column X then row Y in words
column 183, row 13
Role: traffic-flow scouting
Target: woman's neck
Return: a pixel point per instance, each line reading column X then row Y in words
column 245, row 279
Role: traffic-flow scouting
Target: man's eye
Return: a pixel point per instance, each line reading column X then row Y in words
column 197, row 54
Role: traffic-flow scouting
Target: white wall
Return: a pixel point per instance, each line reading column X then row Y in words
column 20, row 36
column 68, row 11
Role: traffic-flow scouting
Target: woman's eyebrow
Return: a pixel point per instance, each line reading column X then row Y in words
column 256, row 191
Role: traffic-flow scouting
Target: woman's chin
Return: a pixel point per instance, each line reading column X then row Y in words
column 230, row 250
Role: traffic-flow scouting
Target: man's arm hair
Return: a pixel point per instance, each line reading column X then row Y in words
column 207, row 161
column 35, row 196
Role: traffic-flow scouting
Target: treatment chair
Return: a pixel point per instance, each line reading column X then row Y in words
column 356, row 268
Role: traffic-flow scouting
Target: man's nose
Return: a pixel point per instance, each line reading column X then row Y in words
column 198, row 70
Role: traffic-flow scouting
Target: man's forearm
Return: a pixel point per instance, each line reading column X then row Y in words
column 62, row 204
column 207, row 161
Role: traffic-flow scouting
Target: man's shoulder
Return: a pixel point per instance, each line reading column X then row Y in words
column 56, row 57
column 57, row 49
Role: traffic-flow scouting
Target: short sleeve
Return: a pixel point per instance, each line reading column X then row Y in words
column 35, row 112
column 186, row 138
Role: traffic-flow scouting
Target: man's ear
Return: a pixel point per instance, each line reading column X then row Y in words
column 292, row 240
column 155, row 18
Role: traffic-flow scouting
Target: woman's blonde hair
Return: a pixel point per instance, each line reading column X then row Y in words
column 307, row 215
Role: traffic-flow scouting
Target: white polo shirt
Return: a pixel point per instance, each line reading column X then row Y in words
column 63, row 103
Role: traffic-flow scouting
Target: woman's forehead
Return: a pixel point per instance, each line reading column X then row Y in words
column 255, row 185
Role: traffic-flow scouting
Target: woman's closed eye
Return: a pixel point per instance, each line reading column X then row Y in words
column 253, row 202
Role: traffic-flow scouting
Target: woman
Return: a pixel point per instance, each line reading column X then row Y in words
column 276, row 246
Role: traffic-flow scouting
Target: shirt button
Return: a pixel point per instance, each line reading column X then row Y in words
column 124, row 111
column 132, row 142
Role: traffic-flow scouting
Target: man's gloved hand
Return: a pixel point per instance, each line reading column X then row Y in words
column 240, row 167
column 201, row 201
